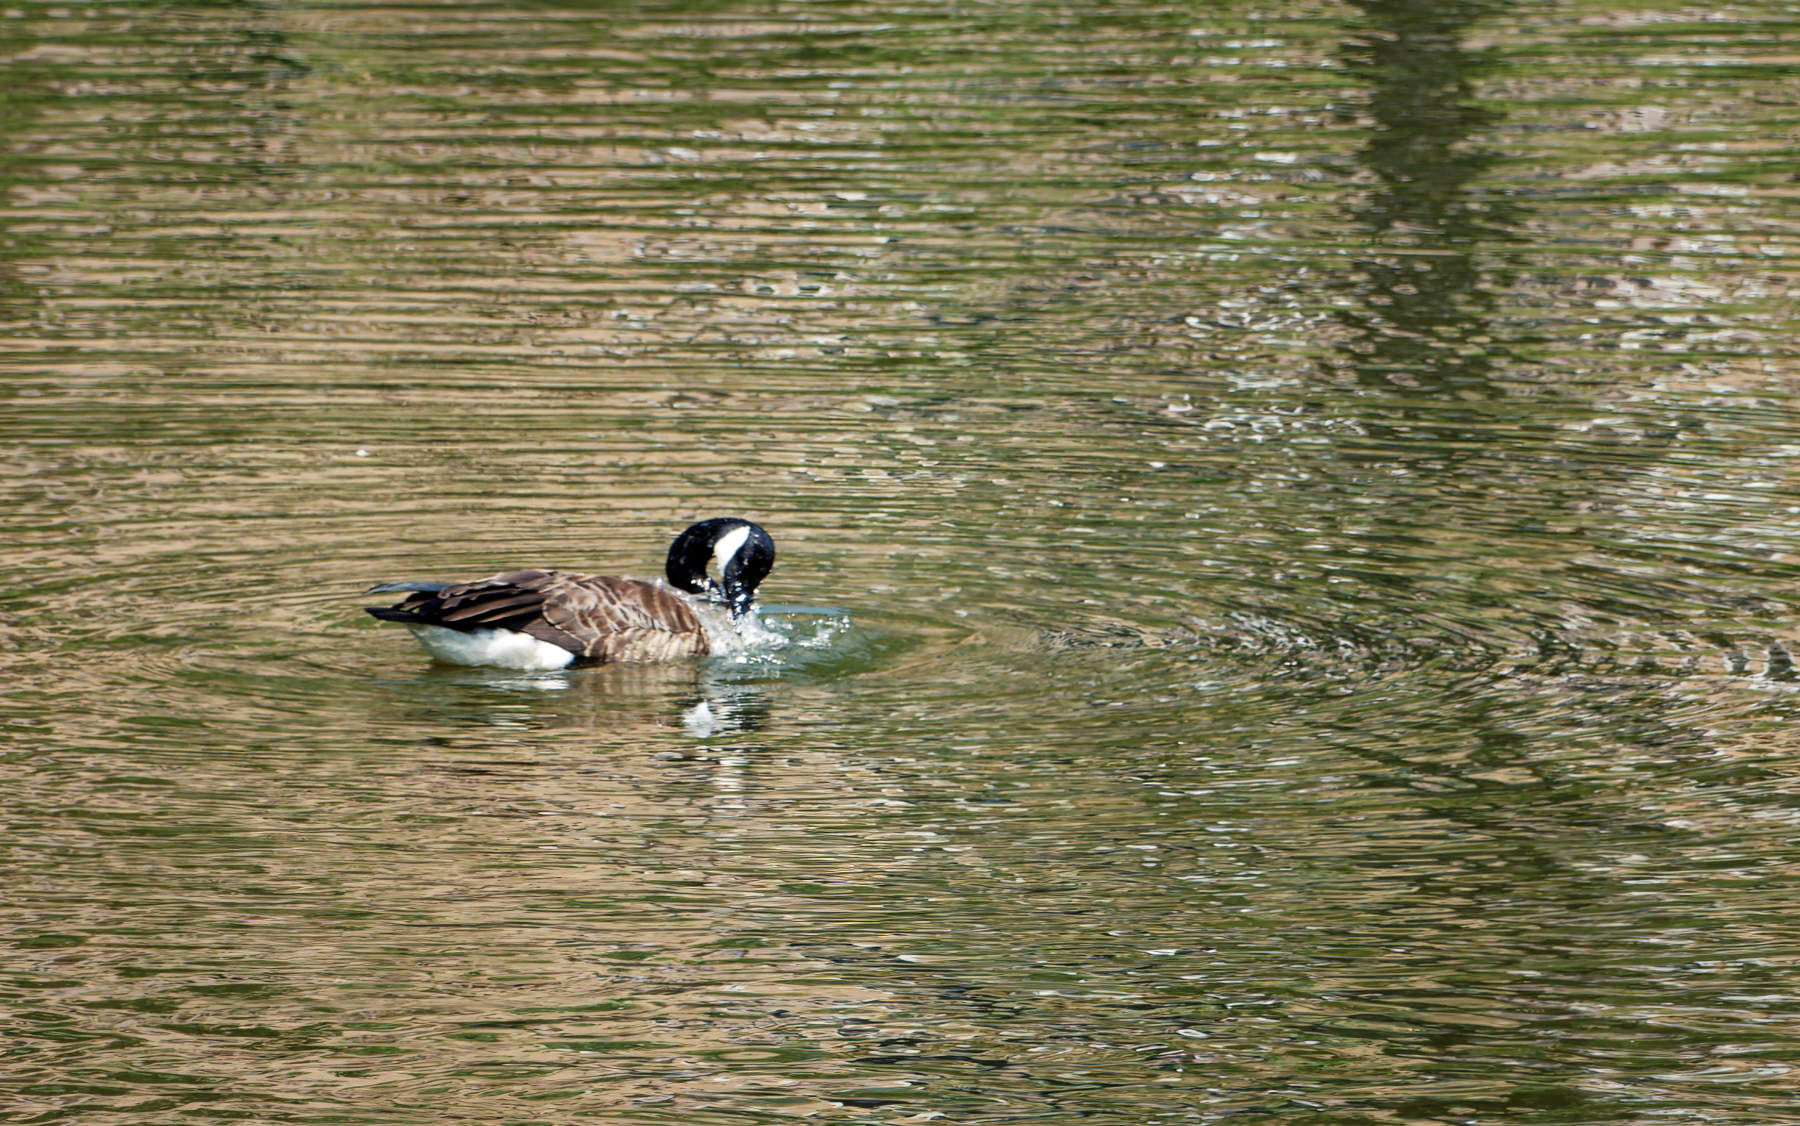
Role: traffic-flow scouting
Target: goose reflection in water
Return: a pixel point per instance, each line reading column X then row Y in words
column 616, row 699
column 706, row 699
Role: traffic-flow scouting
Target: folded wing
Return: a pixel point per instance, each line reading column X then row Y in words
column 596, row 617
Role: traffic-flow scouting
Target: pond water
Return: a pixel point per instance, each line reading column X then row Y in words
column 1286, row 513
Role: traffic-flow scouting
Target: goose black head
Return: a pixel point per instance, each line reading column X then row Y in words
column 743, row 552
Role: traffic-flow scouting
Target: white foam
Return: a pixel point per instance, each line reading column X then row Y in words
column 725, row 635
column 752, row 634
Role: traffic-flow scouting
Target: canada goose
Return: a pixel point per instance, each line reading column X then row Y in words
column 538, row 620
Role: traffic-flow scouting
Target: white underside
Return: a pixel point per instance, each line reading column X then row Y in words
column 495, row 648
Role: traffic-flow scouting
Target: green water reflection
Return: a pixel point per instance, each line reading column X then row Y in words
column 1425, row 324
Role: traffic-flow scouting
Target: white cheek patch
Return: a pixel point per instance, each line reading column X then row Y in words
column 728, row 546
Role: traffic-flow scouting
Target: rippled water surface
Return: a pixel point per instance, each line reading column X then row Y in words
column 1287, row 520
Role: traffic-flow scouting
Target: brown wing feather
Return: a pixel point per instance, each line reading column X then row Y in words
column 596, row 617
column 609, row 619
column 651, row 645
column 483, row 602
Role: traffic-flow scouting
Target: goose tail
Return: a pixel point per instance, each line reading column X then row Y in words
column 411, row 585
column 392, row 614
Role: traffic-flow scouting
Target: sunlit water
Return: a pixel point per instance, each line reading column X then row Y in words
column 1286, row 521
